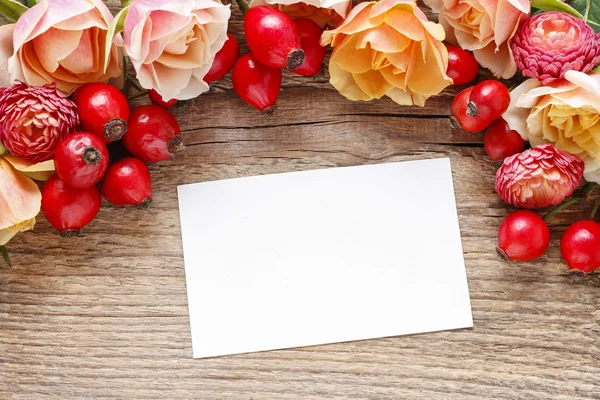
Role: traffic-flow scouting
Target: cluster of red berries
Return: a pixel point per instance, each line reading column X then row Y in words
column 71, row 198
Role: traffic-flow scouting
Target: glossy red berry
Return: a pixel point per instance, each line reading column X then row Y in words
column 460, row 119
column 501, row 142
column 127, row 182
column 523, row 236
column 153, row 135
column 580, row 246
column 256, row 83
column 310, row 37
column 103, row 110
column 157, row 99
column 68, row 209
column 462, row 65
column 224, row 60
column 273, row 38
column 81, row 160
column 488, row 100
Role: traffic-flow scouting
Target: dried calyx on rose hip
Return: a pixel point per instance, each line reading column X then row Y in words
column 127, row 182
column 523, row 236
column 488, row 100
column 81, row 159
column 69, row 209
column 580, row 247
column 224, row 60
column 273, row 38
column 256, row 83
column 153, row 134
column 462, row 65
column 157, row 99
column 103, row 110
column 460, row 118
column 310, row 41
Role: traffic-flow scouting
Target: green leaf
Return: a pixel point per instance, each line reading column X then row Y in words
column 590, row 11
column 114, row 28
column 555, row 5
column 12, row 9
column 31, row 3
column 597, row 69
column 5, row 255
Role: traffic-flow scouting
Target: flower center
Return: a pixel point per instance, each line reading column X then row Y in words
column 555, row 34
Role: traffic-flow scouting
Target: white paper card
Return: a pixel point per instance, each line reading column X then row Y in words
column 333, row 255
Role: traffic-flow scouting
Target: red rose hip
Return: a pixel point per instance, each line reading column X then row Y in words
column 501, row 142
column 103, row 110
column 68, row 209
column 256, row 83
column 488, row 100
column 460, row 118
column 273, row 38
column 310, row 36
column 462, row 65
column 224, row 60
column 127, row 182
column 523, row 236
column 580, row 246
column 153, row 135
column 81, row 159
column 157, row 99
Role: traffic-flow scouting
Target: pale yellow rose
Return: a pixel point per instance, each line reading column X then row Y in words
column 483, row 27
column 388, row 48
column 323, row 12
column 565, row 113
column 20, row 201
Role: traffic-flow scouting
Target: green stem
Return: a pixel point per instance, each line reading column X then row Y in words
column 243, row 6
column 4, row 253
column 594, row 210
column 140, row 94
column 125, row 3
column 588, row 5
column 582, row 195
column 134, row 83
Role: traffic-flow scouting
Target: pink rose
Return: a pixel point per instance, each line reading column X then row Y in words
column 172, row 45
column 485, row 28
column 60, row 41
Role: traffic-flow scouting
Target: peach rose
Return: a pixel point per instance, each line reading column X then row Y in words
column 484, row 27
column 172, row 44
column 388, row 48
column 59, row 41
column 20, row 201
column 565, row 113
column 323, row 12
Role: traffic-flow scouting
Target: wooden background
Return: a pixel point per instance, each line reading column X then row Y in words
column 104, row 315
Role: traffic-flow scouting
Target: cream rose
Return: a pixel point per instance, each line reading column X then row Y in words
column 484, row 27
column 20, row 201
column 323, row 12
column 59, row 41
column 565, row 113
column 172, row 44
column 388, row 48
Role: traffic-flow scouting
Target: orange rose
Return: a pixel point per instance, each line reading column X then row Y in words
column 388, row 48
column 484, row 27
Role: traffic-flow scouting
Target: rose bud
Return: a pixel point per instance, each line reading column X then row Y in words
column 539, row 177
column 552, row 43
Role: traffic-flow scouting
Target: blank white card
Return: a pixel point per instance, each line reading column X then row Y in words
column 332, row 255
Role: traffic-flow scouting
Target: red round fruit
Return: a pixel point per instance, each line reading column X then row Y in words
column 224, row 60
column 501, row 142
column 523, row 236
column 103, row 110
column 127, row 182
column 273, row 38
column 256, row 83
column 81, row 160
column 462, row 65
column 153, row 135
column 489, row 100
column 580, row 246
column 460, row 119
column 68, row 209
column 310, row 41
column 157, row 99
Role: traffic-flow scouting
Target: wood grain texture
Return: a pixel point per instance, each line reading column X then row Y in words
column 104, row 315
